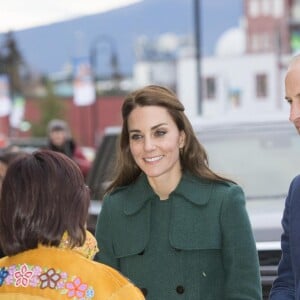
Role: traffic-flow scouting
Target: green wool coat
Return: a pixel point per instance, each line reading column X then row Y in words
column 198, row 244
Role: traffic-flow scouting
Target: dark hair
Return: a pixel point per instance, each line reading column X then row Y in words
column 43, row 195
column 193, row 156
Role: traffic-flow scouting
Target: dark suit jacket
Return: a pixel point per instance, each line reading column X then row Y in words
column 287, row 284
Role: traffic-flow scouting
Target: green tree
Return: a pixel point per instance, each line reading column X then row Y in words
column 51, row 107
column 12, row 63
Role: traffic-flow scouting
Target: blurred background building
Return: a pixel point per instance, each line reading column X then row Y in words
column 245, row 74
column 242, row 76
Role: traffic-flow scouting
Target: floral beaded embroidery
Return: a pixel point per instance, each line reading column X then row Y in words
column 34, row 276
column 3, row 275
column 49, row 279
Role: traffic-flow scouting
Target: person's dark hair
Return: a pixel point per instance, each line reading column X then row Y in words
column 43, row 195
column 193, row 155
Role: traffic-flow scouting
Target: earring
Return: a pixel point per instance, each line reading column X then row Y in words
column 180, row 151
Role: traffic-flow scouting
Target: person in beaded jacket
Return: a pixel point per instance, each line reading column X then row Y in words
column 43, row 212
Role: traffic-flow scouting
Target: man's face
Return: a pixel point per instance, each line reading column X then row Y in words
column 58, row 137
column 292, row 93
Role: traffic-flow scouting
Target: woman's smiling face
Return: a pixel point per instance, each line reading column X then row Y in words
column 154, row 141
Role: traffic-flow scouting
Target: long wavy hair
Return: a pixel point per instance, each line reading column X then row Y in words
column 193, row 156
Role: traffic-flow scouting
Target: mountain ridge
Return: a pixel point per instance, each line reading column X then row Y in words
column 48, row 48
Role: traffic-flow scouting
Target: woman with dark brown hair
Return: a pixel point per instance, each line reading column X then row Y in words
column 43, row 212
column 168, row 222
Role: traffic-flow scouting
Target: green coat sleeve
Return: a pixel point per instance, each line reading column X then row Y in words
column 239, row 252
column 104, row 237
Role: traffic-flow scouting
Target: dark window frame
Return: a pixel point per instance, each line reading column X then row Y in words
column 261, row 86
column 210, row 88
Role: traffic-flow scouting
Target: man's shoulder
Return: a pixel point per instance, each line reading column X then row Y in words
column 295, row 184
column 296, row 179
column 294, row 191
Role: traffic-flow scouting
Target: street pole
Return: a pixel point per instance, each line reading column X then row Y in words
column 197, row 40
column 104, row 39
column 94, row 107
column 279, row 66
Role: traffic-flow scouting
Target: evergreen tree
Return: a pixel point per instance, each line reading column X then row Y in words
column 51, row 107
column 12, row 63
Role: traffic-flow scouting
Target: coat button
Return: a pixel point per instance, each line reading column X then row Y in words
column 144, row 291
column 142, row 252
column 180, row 289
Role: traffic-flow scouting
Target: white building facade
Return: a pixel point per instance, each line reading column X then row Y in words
column 240, row 84
column 246, row 84
column 246, row 74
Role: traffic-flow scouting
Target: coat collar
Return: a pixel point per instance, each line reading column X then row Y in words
column 190, row 188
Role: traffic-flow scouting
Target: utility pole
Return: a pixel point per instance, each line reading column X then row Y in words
column 114, row 65
column 197, row 40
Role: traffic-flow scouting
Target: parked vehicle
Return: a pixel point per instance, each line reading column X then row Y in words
column 28, row 144
column 261, row 156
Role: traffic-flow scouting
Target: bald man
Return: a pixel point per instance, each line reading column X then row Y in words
column 292, row 91
column 287, row 284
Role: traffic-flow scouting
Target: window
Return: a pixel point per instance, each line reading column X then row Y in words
column 266, row 7
column 234, row 97
column 261, row 85
column 255, row 42
column 254, row 8
column 296, row 10
column 210, row 88
column 266, row 41
column 278, row 8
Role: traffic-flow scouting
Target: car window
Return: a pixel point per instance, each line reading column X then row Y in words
column 262, row 161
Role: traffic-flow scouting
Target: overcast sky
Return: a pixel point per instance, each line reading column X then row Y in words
column 16, row 14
